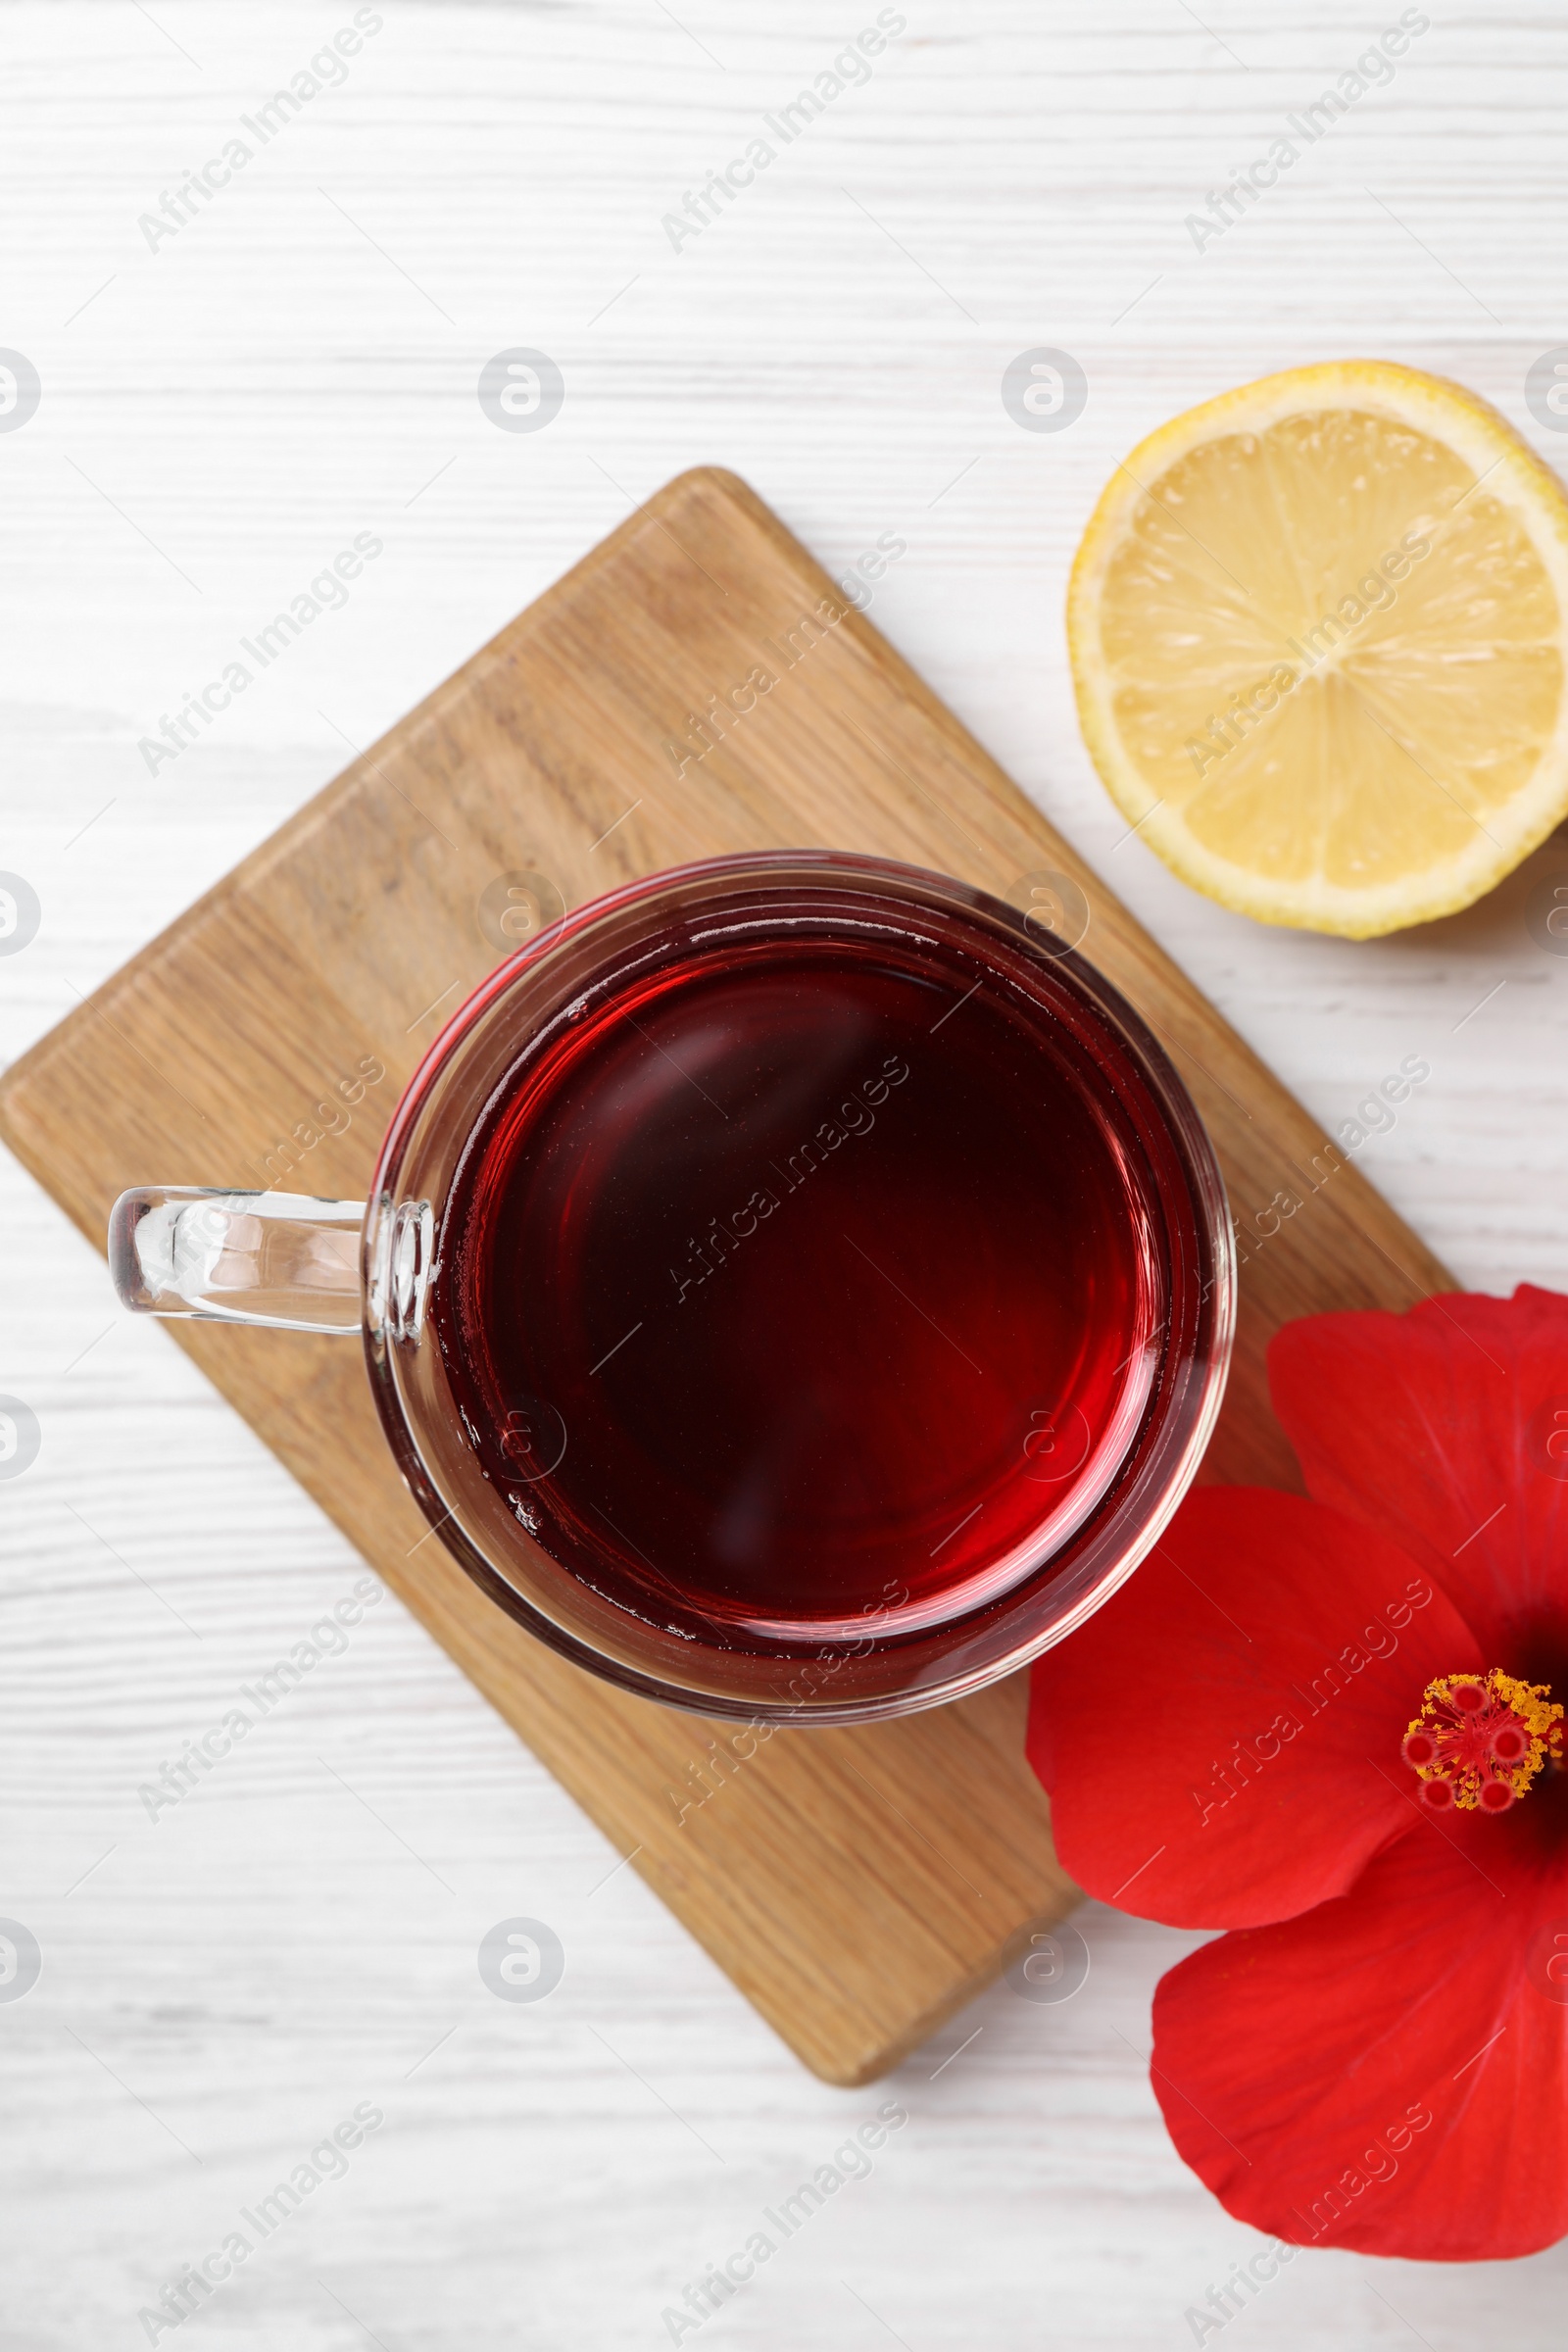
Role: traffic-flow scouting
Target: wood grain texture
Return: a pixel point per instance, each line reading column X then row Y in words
column 824, row 1870
column 248, row 398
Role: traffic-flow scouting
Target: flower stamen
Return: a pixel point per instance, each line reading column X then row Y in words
column 1479, row 1741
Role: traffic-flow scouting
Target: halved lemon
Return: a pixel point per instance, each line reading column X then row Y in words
column 1319, row 636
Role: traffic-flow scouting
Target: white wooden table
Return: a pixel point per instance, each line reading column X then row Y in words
column 222, row 409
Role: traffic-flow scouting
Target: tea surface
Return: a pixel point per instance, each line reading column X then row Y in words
column 803, row 1284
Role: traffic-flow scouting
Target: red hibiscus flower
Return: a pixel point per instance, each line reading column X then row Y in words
column 1334, row 1728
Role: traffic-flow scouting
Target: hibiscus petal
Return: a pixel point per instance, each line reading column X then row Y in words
column 1440, row 1427
column 1391, row 2072
column 1221, row 1741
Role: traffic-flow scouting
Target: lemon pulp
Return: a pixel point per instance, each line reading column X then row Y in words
column 1318, row 640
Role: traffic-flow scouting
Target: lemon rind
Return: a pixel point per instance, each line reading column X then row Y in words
column 1515, row 476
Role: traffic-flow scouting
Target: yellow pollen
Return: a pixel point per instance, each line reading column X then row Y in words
column 1486, row 1736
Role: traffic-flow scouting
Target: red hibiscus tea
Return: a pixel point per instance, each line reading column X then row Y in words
column 821, row 1278
column 795, row 1287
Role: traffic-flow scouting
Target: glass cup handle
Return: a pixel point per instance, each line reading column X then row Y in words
column 271, row 1258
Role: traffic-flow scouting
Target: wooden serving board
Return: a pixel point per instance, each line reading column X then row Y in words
column 858, row 1885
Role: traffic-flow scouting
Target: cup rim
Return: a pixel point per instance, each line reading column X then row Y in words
column 1186, row 1423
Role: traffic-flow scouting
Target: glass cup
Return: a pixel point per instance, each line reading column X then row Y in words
column 1078, row 1495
